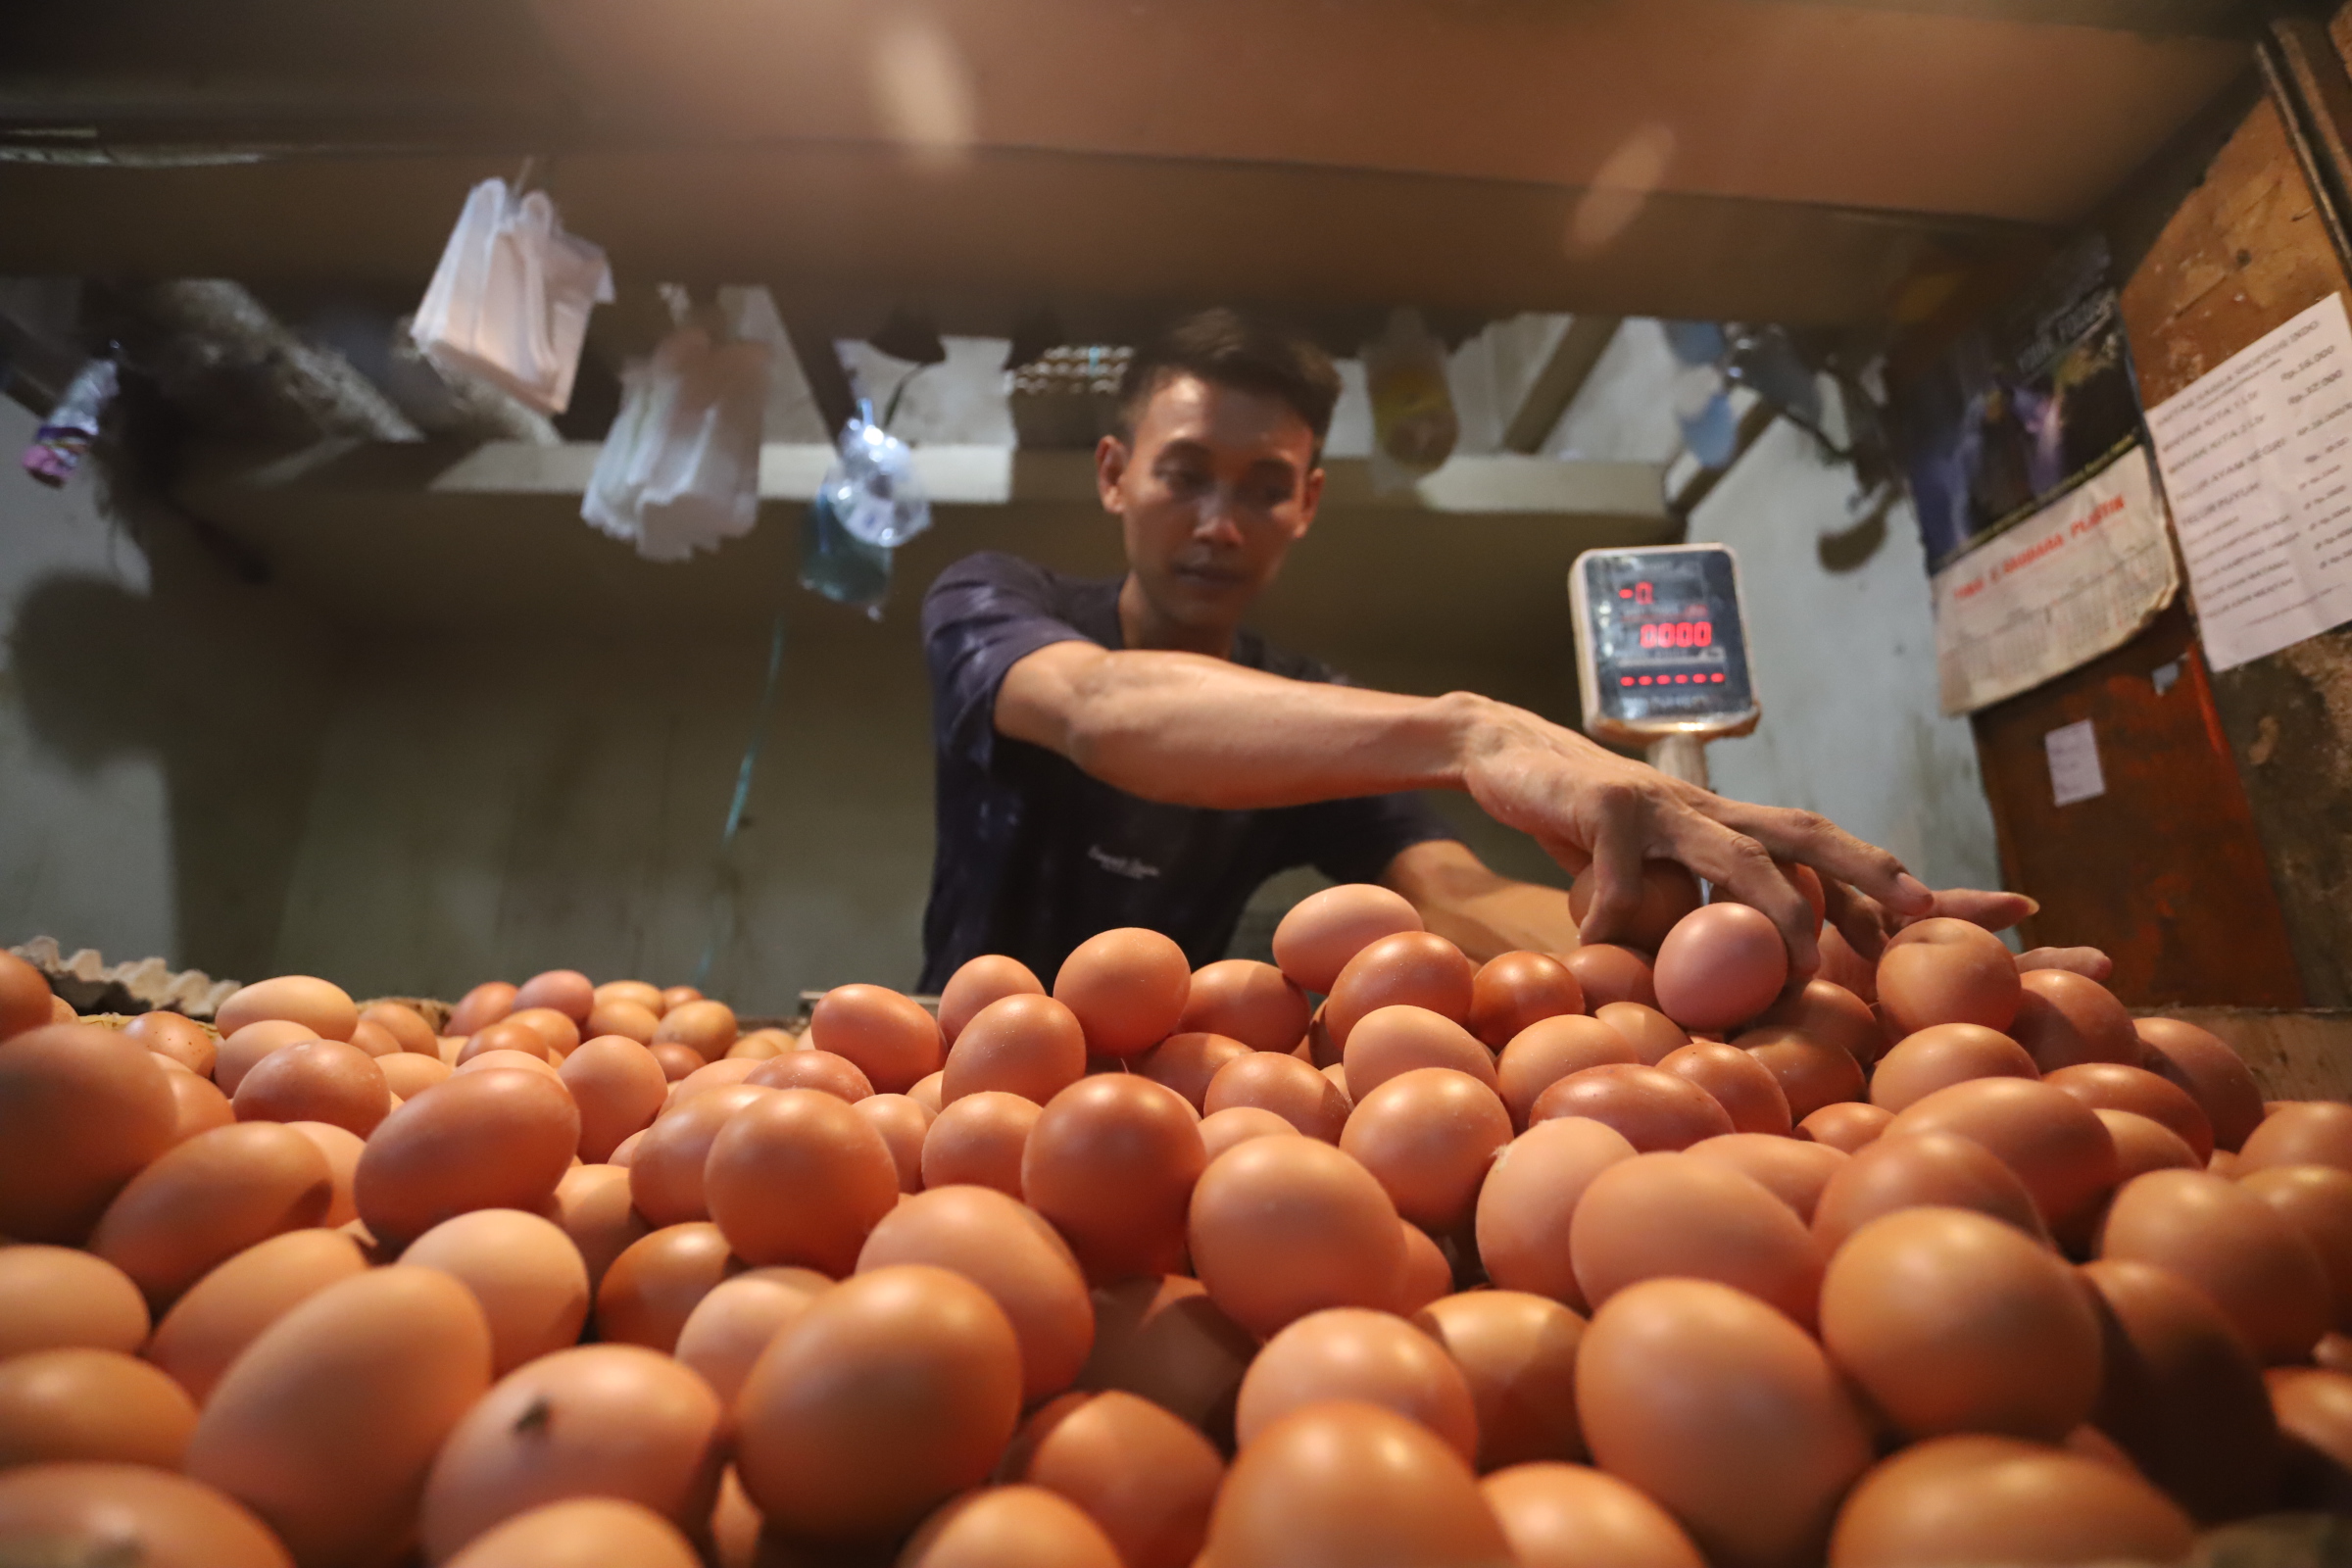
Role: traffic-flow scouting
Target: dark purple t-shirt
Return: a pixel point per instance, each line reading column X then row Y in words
column 1035, row 856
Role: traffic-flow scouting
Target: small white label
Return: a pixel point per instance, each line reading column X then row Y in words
column 2075, row 764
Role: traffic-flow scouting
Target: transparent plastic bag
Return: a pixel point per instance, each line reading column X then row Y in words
column 66, row 436
column 1414, row 426
column 680, row 469
column 871, row 485
column 509, row 301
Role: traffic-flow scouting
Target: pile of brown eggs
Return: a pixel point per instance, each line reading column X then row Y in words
column 1610, row 1261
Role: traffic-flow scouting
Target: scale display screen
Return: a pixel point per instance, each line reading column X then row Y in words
column 1665, row 647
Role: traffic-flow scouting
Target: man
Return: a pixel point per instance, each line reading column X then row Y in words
column 1123, row 753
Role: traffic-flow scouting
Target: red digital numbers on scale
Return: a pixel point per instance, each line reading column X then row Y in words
column 1678, row 634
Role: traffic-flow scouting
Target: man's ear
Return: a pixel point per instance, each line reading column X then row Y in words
column 1310, row 499
column 1110, row 467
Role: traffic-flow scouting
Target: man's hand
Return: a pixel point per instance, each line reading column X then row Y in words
column 1866, row 924
column 1587, row 806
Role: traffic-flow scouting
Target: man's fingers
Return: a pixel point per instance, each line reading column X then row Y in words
column 1742, row 872
column 1993, row 911
column 1616, row 880
column 1818, row 842
column 2088, row 962
column 1858, row 917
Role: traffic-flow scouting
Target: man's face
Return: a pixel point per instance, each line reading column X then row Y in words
column 1216, row 487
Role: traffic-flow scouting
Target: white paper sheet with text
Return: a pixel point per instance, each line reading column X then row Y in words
column 2257, row 461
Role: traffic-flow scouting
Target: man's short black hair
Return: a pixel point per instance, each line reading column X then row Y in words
column 1225, row 348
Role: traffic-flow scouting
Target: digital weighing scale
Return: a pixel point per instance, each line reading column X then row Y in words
column 1662, row 652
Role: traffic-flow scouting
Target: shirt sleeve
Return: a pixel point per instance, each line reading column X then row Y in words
column 983, row 616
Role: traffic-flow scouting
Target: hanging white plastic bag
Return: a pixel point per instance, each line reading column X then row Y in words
column 1413, row 424
column 509, row 301
column 680, row 469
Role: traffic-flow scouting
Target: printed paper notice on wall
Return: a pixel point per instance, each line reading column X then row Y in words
column 2075, row 774
column 2257, row 461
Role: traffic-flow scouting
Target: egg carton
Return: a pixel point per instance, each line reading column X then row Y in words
column 89, row 984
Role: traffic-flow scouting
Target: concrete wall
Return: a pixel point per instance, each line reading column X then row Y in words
column 159, row 721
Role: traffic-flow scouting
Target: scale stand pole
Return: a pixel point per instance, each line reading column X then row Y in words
column 1682, row 756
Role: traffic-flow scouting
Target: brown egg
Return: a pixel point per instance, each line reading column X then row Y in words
column 238, row 1053
column 2180, row 1392
column 1284, row 1085
column 2313, row 1412
column 1550, row 1050
column 323, row 1007
column 1414, row 968
column 198, row 1107
column 403, row 1023
column 925, row 1092
column 2051, row 1139
column 595, row 1420
column 2316, row 1201
column 373, row 1040
column 1669, row 891
column 1725, row 1413
column 209, row 1198
column 1345, row 1482
column 1530, row 1197
column 676, row 997
column 125, row 1513
column 1006, row 1250
column 763, row 1045
column 225, row 1311
column 636, row 993
column 592, row 1207
column 1573, row 1516
column 1127, row 987
column 1398, row 1039
column 481, row 1140
column 83, row 1109
column 1652, row 1035
column 1984, row 1499
column 2208, row 1070
column 1841, row 966
column 991, row 977
column 341, row 1149
column 656, row 1283
column 62, row 1011
column 56, row 1298
column 1112, row 1161
column 1953, row 1321
column 408, row 1074
column 1821, row 1012
column 666, row 1168
column 1220, row 1130
column 904, row 1124
column 580, row 1533
column 1943, row 970
column 1146, row 1478
column 1606, row 973
column 2301, row 1133
column 1793, row 1171
column 889, row 1037
column 1324, row 930
column 2232, row 1244
column 1280, row 1227
column 482, row 1008
column 1941, row 1056
column 1659, row 1215
column 1336, row 1074
column 1517, row 1352
column 25, row 998
column 731, row 1326
column 1023, row 1044
column 1720, row 965
column 2143, row 1146
column 821, row 1071
column 1245, row 1000
column 1187, row 1062
column 705, row 1028
column 529, row 1280
column 1810, row 1074
column 1742, row 1086
column 1846, row 1125
column 509, row 1061
column 2064, row 1020
column 1515, row 990
column 168, row 1034
column 1428, row 1137
column 315, row 1080
column 1424, row 1274
column 558, row 1032
column 326, row 1424
column 1354, row 1354
column 618, row 1087
column 60, row 1407
column 1010, row 1527
column 885, row 1395
column 505, row 1035
column 1166, row 1342
column 1654, row 1109
column 834, row 1163
column 565, row 991
column 2111, row 1086
column 1925, row 1169
column 979, row 1141
column 626, row 1020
